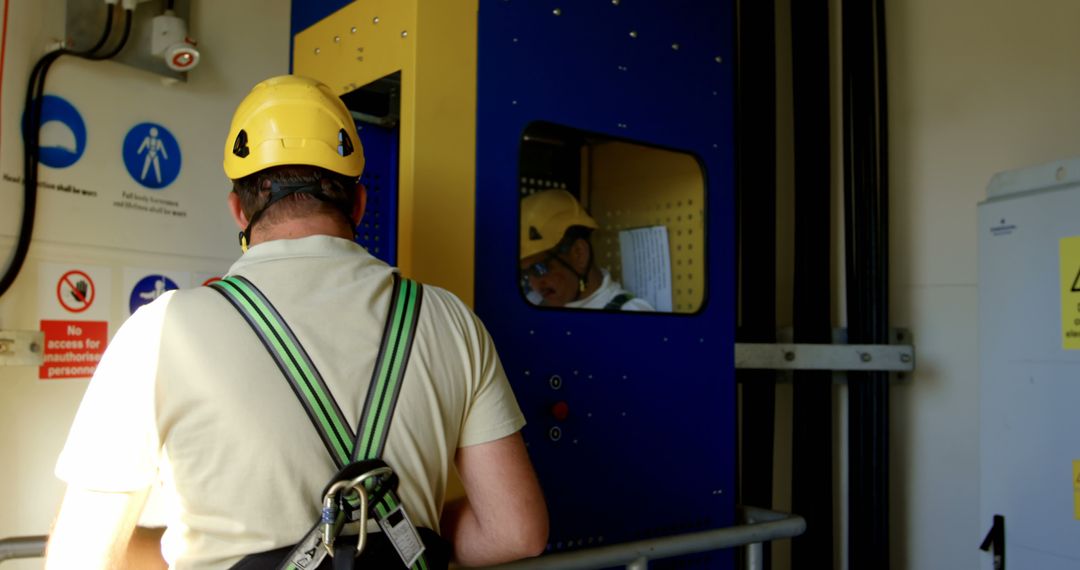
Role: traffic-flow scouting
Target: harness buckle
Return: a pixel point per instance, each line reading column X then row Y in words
column 332, row 509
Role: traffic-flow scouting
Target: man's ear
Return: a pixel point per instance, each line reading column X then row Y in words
column 237, row 211
column 579, row 254
column 359, row 204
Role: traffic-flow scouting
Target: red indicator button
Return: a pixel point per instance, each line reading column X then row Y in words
column 560, row 410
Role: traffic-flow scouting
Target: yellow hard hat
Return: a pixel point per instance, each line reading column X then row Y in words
column 292, row 120
column 545, row 217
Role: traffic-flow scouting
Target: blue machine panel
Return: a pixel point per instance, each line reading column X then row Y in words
column 306, row 13
column 648, row 447
column 377, row 231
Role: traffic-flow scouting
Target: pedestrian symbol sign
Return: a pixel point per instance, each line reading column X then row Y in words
column 1069, row 256
column 75, row 291
column 152, row 155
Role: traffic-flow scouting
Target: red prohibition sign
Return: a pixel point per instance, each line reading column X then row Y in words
column 80, row 291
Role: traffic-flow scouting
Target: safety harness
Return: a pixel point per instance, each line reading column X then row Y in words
column 364, row 485
column 618, row 301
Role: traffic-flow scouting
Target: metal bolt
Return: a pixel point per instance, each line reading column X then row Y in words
column 865, row 357
column 719, row 59
column 35, row 347
column 557, row 11
column 615, row 2
column 375, row 20
column 337, row 39
column 404, row 33
column 352, row 30
column 789, row 355
column 317, row 50
column 555, row 433
column 555, row 381
column 905, row 358
column 633, row 33
column 675, row 47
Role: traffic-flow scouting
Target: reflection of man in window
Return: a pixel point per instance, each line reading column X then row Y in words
column 556, row 260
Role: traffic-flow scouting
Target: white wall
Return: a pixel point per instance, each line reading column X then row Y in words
column 975, row 87
column 242, row 42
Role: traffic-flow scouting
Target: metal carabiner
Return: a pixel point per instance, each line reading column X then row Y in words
column 331, row 509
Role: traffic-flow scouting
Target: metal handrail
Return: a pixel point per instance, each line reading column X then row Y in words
column 22, row 547
column 760, row 526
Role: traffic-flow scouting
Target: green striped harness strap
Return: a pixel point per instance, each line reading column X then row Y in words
column 348, row 449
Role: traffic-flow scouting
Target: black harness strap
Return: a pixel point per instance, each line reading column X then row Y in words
column 618, row 301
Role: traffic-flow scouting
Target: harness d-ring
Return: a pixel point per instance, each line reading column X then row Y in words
column 330, row 509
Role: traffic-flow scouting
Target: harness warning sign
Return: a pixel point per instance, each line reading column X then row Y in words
column 1069, row 256
column 72, row 348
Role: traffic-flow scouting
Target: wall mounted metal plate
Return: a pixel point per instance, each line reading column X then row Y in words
column 86, row 21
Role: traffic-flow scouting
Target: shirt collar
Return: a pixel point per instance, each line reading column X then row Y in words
column 311, row 246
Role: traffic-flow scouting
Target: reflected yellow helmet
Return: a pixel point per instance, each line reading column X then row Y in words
column 545, row 217
column 292, row 120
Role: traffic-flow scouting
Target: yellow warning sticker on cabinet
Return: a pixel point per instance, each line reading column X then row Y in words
column 1076, row 488
column 1069, row 255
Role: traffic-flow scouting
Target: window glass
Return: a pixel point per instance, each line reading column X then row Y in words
column 609, row 224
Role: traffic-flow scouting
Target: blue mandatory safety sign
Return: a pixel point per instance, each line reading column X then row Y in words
column 62, row 136
column 151, row 155
column 149, row 288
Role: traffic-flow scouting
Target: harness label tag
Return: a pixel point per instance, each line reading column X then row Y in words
column 402, row 534
column 309, row 553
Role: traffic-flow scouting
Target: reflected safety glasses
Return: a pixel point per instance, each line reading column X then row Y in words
column 540, row 268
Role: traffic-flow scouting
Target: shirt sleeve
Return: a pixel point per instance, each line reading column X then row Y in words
column 494, row 412
column 113, row 445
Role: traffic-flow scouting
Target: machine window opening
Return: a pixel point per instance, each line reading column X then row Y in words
column 609, row 224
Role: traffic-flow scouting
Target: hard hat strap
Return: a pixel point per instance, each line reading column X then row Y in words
column 281, row 190
column 583, row 278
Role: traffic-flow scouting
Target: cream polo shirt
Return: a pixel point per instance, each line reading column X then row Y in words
column 185, row 378
column 608, row 290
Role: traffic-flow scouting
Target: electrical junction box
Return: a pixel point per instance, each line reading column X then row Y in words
column 1029, row 360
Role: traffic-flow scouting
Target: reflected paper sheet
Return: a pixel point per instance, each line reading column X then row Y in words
column 646, row 265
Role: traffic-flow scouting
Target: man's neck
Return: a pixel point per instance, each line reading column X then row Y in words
column 298, row 228
column 592, row 282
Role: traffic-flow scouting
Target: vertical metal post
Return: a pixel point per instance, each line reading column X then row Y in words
column 756, row 223
column 866, row 260
column 755, row 554
column 811, row 494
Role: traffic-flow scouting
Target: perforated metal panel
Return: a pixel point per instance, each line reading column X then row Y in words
column 633, row 186
column 648, row 447
column 377, row 231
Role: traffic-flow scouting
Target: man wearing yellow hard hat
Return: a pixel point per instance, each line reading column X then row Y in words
column 556, row 259
column 310, row 396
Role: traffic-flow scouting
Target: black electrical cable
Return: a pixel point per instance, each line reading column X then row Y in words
column 120, row 45
column 35, row 97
